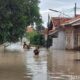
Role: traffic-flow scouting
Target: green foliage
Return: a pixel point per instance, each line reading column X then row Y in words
column 15, row 15
column 33, row 11
column 29, row 35
column 36, row 38
column 40, row 28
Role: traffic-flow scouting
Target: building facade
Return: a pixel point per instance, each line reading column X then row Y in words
column 68, row 33
column 59, row 42
column 72, row 31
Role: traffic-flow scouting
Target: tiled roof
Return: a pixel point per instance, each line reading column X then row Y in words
column 77, row 18
column 57, row 21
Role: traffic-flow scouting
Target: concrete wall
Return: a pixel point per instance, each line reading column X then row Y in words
column 59, row 43
column 79, row 39
column 69, row 39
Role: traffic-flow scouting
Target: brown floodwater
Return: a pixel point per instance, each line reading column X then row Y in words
column 63, row 65
column 11, row 65
column 49, row 65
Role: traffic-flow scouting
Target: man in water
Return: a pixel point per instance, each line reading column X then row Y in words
column 24, row 45
column 36, row 50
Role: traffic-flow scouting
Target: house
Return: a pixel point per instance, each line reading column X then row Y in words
column 68, row 32
column 59, row 41
column 72, row 33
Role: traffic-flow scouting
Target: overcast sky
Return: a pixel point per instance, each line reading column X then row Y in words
column 65, row 6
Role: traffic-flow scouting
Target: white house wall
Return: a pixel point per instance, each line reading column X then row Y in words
column 59, row 43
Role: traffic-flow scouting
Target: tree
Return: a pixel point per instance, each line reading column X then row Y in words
column 36, row 38
column 15, row 15
column 40, row 28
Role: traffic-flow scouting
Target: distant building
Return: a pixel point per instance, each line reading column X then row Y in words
column 29, row 29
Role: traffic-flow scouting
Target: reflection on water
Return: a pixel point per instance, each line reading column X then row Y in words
column 62, row 65
column 49, row 65
column 36, row 66
column 11, row 66
column 52, row 65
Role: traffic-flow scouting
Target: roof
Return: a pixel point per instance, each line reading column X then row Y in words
column 71, row 21
column 57, row 21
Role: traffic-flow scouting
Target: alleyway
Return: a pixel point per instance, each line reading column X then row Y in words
column 49, row 65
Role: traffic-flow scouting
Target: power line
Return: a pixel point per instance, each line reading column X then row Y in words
column 59, row 12
column 72, row 9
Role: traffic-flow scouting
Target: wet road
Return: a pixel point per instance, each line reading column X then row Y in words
column 49, row 65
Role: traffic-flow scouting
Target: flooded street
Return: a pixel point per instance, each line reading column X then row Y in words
column 49, row 65
column 63, row 65
column 11, row 65
column 36, row 66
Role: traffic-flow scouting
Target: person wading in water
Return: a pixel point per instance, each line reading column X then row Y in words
column 36, row 51
column 25, row 45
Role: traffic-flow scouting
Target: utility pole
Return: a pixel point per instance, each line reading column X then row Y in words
column 47, row 31
column 48, row 20
column 75, row 10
